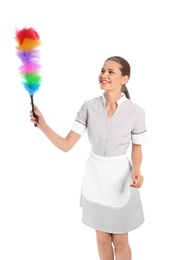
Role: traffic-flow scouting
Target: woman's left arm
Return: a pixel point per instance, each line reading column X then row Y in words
column 136, row 158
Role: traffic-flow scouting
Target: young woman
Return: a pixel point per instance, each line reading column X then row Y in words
column 110, row 196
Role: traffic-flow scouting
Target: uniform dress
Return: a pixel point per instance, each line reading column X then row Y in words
column 108, row 201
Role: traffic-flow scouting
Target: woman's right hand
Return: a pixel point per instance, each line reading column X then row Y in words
column 40, row 122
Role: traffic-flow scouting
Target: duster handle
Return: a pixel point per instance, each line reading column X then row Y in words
column 32, row 105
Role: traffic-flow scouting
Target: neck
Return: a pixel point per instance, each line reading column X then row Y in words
column 111, row 98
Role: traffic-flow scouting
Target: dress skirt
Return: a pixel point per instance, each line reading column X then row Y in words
column 108, row 201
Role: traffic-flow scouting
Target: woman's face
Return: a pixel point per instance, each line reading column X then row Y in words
column 110, row 77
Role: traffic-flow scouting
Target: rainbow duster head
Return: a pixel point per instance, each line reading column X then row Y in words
column 27, row 50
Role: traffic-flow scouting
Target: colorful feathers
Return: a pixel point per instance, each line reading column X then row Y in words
column 27, row 50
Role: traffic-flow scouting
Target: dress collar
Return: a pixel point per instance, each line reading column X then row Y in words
column 119, row 101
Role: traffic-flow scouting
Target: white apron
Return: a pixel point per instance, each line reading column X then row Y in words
column 109, row 203
column 107, row 180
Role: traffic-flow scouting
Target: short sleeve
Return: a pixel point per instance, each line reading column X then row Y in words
column 139, row 132
column 80, row 124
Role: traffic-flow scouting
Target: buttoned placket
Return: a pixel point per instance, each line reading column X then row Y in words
column 109, row 119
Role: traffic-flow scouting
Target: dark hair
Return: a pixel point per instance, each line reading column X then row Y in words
column 125, row 70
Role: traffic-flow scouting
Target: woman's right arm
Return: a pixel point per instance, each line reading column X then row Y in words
column 63, row 143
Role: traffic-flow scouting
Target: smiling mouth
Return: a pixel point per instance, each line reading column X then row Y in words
column 104, row 82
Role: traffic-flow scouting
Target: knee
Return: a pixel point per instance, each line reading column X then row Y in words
column 103, row 240
column 119, row 246
column 120, row 243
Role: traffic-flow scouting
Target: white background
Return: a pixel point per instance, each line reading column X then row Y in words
column 40, row 217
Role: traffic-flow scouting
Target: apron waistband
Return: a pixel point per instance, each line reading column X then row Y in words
column 104, row 159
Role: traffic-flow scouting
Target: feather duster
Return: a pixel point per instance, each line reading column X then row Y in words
column 28, row 41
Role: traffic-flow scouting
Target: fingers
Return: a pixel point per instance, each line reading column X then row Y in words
column 33, row 119
column 34, row 115
column 137, row 181
column 37, row 118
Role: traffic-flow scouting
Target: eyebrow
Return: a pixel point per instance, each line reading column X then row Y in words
column 108, row 69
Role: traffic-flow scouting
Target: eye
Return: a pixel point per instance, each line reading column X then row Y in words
column 102, row 71
column 111, row 72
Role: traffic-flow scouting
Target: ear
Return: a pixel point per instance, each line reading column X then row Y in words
column 125, row 79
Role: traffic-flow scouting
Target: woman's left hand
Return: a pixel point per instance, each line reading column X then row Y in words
column 137, row 179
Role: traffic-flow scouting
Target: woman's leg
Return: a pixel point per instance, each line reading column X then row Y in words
column 122, row 248
column 104, row 243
